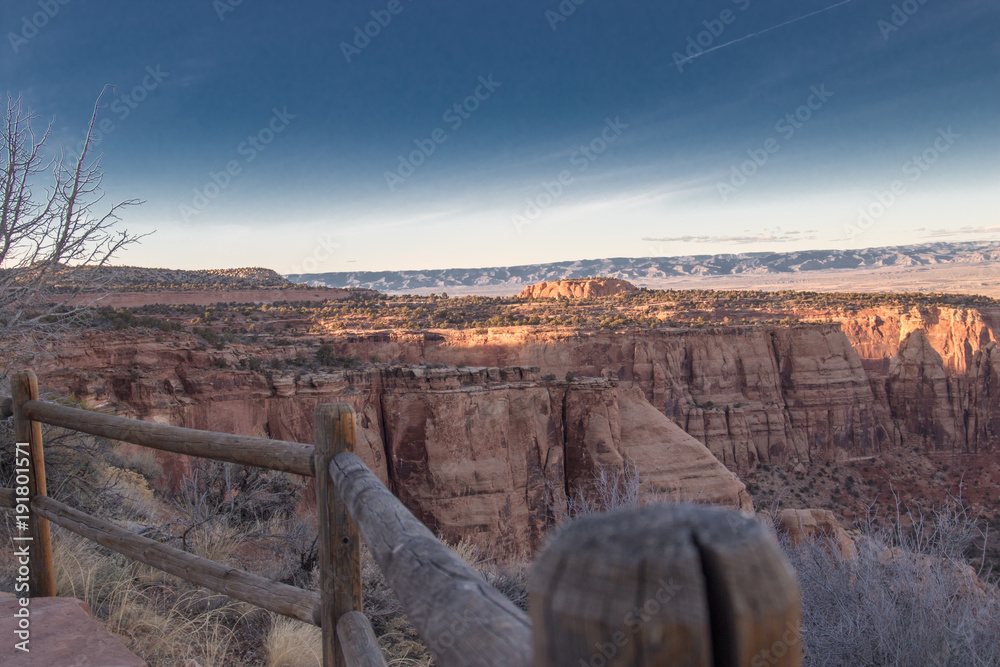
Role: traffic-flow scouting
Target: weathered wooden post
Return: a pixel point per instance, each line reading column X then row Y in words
column 665, row 585
column 339, row 541
column 41, row 577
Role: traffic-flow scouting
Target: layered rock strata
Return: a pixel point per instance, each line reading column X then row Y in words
column 484, row 453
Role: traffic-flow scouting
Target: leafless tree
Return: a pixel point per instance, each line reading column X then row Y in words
column 48, row 229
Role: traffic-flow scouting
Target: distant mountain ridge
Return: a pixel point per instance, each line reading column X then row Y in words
column 643, row 270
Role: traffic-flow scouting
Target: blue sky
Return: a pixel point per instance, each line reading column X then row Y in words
column 282, row 135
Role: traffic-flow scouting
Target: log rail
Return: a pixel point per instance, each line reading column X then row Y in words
column 685, row 585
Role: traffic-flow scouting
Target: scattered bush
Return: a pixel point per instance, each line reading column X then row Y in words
column 908, row 598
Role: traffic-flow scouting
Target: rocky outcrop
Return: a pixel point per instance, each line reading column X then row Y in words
column 921, row 395
column 751, row 394
column 936, row 367
column 798, row 526
column 956, row 334
column 577, row 289
column 485, row 453
column 871, row 380
column 497, row 460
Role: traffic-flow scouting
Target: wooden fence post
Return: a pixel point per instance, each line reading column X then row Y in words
column 339, row 541
column 41, row 579
column 665, row 585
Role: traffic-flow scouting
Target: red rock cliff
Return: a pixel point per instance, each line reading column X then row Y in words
column 577, row 289
column 488, row 453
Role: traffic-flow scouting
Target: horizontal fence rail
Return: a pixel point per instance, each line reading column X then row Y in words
column 270, row 595
column 273, row 454
column 463, row 619
column 358, row 641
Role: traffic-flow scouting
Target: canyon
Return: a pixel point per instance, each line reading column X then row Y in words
column 485, row 433
column 488, row 454
column 841, row 385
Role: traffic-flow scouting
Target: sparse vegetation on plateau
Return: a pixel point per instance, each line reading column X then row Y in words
column 640, row 309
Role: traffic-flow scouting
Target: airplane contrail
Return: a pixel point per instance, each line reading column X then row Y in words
column 761, row 32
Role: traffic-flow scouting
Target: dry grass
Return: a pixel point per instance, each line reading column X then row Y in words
column 158, row 618
column 291, row 643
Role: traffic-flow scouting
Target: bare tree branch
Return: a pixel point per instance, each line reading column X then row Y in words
column 47, row 233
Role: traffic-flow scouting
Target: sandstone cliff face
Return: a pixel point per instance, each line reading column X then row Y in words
column 870, row 381
column 936, row 368
column 496, row 460
column 486, row 453
column 956, row 334
column 577, row 289
column 750, row 394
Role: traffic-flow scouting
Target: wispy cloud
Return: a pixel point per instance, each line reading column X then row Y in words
column 962, row 231
column 777, row 236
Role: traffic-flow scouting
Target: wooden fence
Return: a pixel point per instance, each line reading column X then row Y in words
column 685, row 585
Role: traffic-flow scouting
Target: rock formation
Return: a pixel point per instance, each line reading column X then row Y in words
column 485, row 453
column 863, row 384
column 577, row 289
column 937, row 369
column 751, row 394
column 485, row 450
column 800, row 525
